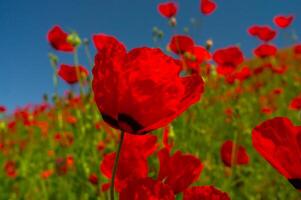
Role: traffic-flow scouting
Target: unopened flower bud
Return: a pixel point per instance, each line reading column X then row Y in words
column 209, row 44
column 173, row 21
column 74, row 39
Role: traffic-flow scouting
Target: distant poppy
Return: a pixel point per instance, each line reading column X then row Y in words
column 179, row 44
column 277, row 91
column 267, row 110
column 278, row 141
column 179, row 170
column 10, row 169
column 93, row 179
column 195, row 57
column 297, row 49
column 207, row 7
column 141, row 90
column 146, row 189
column 283, row 21
column 295, row 103
column 264, row 33
column 240, row 156
column 280, row 69
column 228, row 59
column 243, row 74
column 168, row 9
column 46, row 174
column 265, row 50
column 58, row 40
column 70, row 74
column 2, row 109
column 204, row 193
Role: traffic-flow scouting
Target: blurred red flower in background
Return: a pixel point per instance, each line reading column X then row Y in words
column 58, row 40
column 168, row 9
column 265, row 50
column 295, row 103
column 72, row 74
column 264, row 33
column 207, row 7
column 297, row 49
column 283, row 21
column 228, row 59
column 179, row 44
column 2, row 109
column 278, row 140
column 240, row 156
column 126, row 83
column 10, row 169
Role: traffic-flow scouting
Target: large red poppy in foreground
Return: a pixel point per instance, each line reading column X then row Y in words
column 279, row 141
column 140, row 90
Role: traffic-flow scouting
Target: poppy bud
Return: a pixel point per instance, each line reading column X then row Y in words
column 209, row 44
column 172, row 21
column 74, row 39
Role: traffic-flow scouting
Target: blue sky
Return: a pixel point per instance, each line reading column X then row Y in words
column 25, row 73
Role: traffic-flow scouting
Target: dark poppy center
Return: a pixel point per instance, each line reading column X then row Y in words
column 296, row 182
column 129, row 124
column 110, row 120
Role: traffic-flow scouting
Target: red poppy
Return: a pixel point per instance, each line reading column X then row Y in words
column 69, row 73
column 179, row 44
column 10, row 169
column 295, row 103
column 146, row 189
column 58, row 40
column 297, row 49
column 265, row 50
column 283, row 21
column 277, row 91
column 2, row 109
column 135, row 151
column 46, row 174
column 194, row 57
column 241, row 157
column 168, row 9
column 93, row 179
column 141, row 90
column 243, row 74
column 228, row 59
column 179, row 170
column 278, row 140
column 264, row 33
column 280, row 69
column 207, row 7
column 204, row 193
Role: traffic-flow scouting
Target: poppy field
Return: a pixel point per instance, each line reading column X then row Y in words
column 181, row 120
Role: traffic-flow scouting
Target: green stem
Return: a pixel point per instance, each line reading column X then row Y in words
column 76, row 63
column 116, row 165
column 88, row 54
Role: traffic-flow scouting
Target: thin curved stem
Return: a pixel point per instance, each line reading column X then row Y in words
column 116, row 165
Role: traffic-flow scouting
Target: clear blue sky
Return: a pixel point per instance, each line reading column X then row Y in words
column 25, row 73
